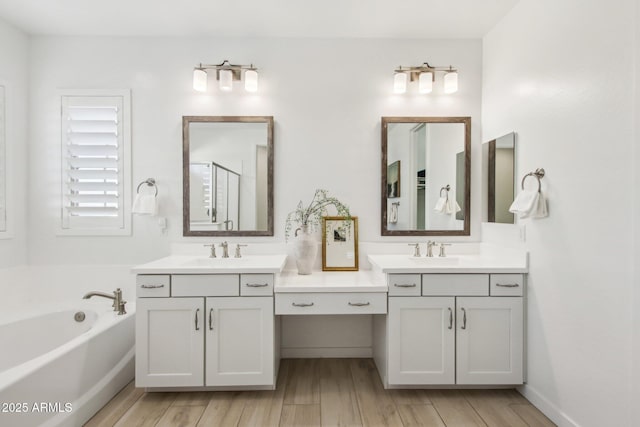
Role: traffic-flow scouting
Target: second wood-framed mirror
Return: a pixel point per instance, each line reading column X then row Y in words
column 227, row 175
column 426, row 176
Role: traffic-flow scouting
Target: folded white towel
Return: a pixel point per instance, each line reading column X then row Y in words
column 524, row 202
column 440, row 205
column 144, row 204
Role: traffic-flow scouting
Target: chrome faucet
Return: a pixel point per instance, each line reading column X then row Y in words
column 118, row 303
column 416, row 249
column 212, row 254
column 225, row 249
column 430, row 245
column 238, row 253
column 442, row 252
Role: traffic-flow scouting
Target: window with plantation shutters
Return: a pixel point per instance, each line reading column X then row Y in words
column 3, row 162
column 95, row 164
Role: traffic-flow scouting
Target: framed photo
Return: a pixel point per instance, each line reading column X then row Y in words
column 393, row 180
column 339, row 243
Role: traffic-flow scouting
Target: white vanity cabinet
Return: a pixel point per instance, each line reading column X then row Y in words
column 169, row 342
column 459, row 329
column 198, row 331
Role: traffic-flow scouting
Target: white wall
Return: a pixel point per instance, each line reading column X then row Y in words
column 14, row 73
column 327, row 122
column 635, row 377
column 561, row 75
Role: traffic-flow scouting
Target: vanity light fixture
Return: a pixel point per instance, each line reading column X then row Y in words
column 425, row 74
column 226, row 73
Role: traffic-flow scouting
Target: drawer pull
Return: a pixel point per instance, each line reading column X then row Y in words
column 211, row 319
column 197, row 326
column 359, row 304
column 405, row 285
column 450, row 318
column 464, row 318
column 151, row 286
column 508, row 285
column 295, row 304
column 256, row 285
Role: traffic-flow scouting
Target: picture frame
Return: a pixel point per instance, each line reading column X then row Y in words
column 393, row 180
column 339, row 243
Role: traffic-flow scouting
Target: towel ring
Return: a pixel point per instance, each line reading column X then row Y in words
column 538, row 173
column 150, row 182
column 448, row 187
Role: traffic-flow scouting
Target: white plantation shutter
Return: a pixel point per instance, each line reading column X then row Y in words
column 95, row 164
column 3, row 162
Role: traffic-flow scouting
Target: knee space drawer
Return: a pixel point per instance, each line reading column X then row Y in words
column 331, row 303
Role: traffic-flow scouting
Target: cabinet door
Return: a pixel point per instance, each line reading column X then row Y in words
column 169, row 342
column 239, row 341
column 489, row 340
column 421, row 340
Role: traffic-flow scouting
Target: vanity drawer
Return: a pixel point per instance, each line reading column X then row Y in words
column 404, row 285
column 210, row 285
column 510, row 285
column 332, row 303
column 455, row 284
column 256, row 284
column 153, row 285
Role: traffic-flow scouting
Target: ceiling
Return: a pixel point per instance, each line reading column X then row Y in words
column 258, row 18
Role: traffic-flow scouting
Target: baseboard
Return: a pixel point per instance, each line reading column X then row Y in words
column 326, row 352
column 546, row 407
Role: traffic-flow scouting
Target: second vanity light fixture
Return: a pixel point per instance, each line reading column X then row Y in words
column 226, row 73
column 425, row 74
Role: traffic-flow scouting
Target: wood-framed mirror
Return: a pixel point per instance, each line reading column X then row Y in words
column 498, row 156
column 426, row 176
column 227, row 175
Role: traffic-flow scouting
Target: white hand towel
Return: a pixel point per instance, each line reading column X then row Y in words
column 540, row 210
column 144, row 204
column 440, row 205
column 524, row 203
column 449, row 207
column 393, row 214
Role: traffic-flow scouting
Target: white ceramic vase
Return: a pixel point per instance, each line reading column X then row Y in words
column 305, row 249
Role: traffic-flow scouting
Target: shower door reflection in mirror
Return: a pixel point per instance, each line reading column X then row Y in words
column 435, row 156
column 228, row 176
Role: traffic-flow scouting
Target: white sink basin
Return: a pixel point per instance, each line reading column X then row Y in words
column 218, row 262
column 435, row 260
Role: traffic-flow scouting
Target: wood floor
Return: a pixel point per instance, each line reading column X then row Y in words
column 322, row 392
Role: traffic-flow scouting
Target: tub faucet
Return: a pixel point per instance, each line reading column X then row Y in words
column 118, row 303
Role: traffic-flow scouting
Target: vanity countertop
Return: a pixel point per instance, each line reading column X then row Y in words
column 329, row 281
column 464, row 263
column 187, row 264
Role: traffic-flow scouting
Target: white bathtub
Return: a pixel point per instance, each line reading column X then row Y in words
column 55, row 371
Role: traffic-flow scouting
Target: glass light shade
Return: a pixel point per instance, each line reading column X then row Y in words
column 425, row 82
column 451, row 82
column 400, row 83
column 251, row 80
column 226, row 80
column 200, row 80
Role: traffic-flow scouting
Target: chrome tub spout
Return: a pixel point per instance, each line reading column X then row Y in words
column 118, row 304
